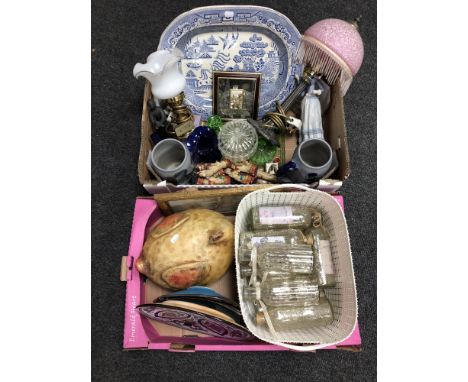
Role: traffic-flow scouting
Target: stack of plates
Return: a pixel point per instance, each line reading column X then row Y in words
column 199, row 309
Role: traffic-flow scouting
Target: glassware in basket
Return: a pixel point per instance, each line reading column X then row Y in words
column 281, row 259
column 342, row 296
column 302, row 317
column 281, row 290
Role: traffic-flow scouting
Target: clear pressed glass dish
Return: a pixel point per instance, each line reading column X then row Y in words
column 237, row 140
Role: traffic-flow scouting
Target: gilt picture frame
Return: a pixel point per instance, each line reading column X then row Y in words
column 235, row 94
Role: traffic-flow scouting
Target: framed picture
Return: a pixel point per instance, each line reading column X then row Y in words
column 235, row 94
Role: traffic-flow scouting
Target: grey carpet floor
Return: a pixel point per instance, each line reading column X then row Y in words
column 125, row 32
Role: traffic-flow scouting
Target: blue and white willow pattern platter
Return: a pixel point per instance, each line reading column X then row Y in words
column 240, row 39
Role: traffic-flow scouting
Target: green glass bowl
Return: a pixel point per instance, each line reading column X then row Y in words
column 264, row 154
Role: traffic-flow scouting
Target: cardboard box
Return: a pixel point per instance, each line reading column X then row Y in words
column 335, row 135
column 142, row 333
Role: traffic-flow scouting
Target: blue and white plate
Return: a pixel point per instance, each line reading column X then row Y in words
column 235, row 38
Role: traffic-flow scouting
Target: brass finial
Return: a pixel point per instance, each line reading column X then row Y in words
column 308, row 74
column 356, row 22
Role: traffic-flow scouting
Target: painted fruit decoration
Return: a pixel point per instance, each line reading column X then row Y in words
column 193, row 247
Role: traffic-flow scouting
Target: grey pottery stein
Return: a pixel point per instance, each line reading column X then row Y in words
column 169, row 158
column 313, row 158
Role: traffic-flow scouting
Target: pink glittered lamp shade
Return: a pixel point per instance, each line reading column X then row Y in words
column 342, row 38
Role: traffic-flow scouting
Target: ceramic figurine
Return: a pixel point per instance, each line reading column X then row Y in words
column 325, row 93
column 311, row 116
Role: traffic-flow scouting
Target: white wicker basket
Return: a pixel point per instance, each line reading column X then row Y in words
column 342, row 297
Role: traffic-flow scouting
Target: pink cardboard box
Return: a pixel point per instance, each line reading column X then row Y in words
column 142, row 333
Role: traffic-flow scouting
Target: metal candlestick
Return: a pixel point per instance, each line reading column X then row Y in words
column 279, row 119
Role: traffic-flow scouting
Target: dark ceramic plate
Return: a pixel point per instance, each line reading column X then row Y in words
column 228, row 310
column 195, row 321
column 199, row 292
column 206, row 297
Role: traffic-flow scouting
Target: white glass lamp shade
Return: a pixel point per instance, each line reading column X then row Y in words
column 162, row 69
